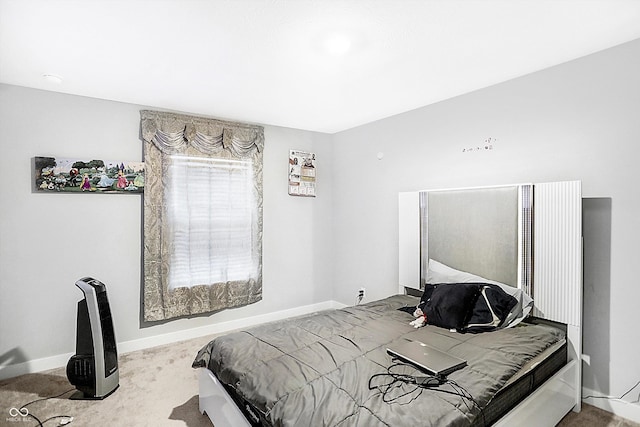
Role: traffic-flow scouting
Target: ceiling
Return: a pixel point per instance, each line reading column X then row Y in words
column 320, row 65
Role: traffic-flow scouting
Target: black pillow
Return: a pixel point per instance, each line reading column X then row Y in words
column 450, row 305
column 490, row 309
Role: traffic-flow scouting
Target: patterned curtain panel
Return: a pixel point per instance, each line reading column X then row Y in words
column 202, row 215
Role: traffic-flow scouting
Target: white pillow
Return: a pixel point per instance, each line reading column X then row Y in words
column 440, row 273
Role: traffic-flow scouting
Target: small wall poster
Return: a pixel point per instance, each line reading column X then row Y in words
column 72, row 175
column 302, row 173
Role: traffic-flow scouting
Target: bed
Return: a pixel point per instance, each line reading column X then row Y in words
column 332, row 368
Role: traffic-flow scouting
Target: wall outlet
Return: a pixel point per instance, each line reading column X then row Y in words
column 360, row 293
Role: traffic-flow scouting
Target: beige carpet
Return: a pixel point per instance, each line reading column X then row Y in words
column 157, row 388
column 594, row 417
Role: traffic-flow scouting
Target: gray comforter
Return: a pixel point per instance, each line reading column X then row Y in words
column 315, row 370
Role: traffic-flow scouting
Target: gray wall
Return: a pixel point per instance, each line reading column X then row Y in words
column 576, row 121
column 48, row 241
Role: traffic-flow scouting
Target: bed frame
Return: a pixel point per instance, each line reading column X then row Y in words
column 555, row 283
column 214, row 400
column 556, row 287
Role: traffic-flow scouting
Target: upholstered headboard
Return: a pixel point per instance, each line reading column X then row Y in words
column 474, row 230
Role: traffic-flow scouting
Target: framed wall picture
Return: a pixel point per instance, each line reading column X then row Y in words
column 71, row 175
column 302, row 173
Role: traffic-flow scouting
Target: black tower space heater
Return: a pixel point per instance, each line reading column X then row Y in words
column 94, row 367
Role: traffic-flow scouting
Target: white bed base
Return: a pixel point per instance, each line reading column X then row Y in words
column 556, row 397
column 548, row 404
column 216, row 402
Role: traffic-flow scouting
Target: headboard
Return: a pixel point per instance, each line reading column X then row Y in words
column 548, row 265
column 474, row 230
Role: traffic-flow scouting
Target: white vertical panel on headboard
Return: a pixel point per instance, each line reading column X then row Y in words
column 557, row 277
column 409, row 240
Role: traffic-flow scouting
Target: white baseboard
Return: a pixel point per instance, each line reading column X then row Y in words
column 218, row 328
column 35, row 365
column 621, row 408
column 57, row 361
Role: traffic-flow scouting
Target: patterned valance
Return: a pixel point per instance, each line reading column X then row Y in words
column 172, row 133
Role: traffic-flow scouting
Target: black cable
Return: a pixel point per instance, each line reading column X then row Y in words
column 629, row 391
column 46, row 398
column 420, row 383
column 41, row 423
column 69, row 417
column 613, row 397
column 35, row 418
column 397, row 381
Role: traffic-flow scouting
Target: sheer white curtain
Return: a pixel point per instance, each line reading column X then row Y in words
column 202, row 215
column 212, row 215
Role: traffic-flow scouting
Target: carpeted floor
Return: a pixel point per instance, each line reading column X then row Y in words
column 590, row 416
column 158, row 387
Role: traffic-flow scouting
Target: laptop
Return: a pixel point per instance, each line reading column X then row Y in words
column 426, row 358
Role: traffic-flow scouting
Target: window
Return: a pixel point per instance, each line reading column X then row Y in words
column 212, row 214
column 202, row 215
